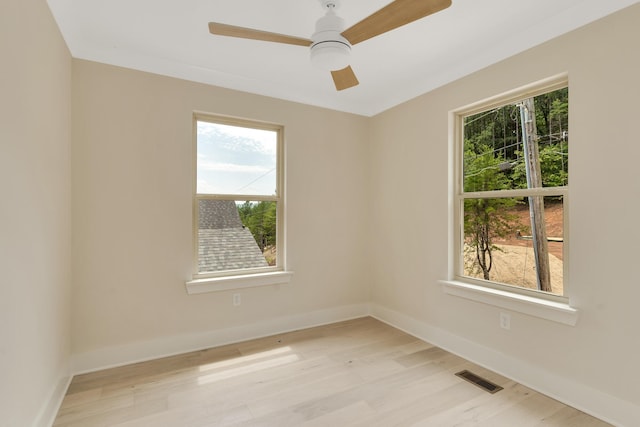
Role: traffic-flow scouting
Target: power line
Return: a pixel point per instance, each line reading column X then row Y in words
column 258, row 178
column 542, row 141
column 480, row 117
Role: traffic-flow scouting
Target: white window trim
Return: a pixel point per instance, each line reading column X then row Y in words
column 538, row 307
column 247, row 278
column 241, row 281
column 538, row 304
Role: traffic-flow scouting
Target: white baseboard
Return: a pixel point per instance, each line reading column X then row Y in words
column 48, row 412
column 601, row 405
column 170, row 346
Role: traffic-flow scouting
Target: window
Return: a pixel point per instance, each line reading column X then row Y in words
column 238, row 200
column 511, row 189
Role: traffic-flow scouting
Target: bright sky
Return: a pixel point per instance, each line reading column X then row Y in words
column 236, row 160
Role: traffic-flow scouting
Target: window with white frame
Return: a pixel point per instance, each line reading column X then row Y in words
column 511, row 189
column 238, row 212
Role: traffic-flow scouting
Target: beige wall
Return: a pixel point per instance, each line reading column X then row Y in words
column 132, row 184
column 35, row 269
column 410, row 157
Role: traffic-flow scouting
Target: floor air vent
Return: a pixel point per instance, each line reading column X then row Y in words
column 486, row 385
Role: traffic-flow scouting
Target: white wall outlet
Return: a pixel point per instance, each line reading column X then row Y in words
column 505, row 321
column 236, row 299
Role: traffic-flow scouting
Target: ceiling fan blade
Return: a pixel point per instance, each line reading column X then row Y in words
column 394, row 15
column 248, row 33
column 345, row 78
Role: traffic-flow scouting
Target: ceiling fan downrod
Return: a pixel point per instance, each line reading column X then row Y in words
column 330, row 4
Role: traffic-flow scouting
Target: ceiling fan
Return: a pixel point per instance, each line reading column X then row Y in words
column 330, row 44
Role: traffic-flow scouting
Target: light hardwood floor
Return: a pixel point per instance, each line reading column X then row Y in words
column 359, row 373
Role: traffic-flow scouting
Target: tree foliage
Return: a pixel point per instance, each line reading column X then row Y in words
column 552, row 167
column 260, row 219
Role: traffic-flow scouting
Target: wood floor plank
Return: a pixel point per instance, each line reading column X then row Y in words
column 359, row 373
column 342, row 417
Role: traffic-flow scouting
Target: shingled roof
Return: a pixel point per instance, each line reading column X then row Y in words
column 223, row 242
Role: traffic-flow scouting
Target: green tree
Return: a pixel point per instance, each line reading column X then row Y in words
column 269, row 223
column 260, row 219
column 553, row 167
column 552, row 113
column 486, row 219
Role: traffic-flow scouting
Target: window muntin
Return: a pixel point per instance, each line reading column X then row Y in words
column 511, row 190
column 238, row 197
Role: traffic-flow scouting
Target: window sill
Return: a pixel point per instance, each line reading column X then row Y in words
column 538, row 307
column 215, row 284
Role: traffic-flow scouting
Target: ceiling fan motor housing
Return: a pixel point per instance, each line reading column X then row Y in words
column 329, row 50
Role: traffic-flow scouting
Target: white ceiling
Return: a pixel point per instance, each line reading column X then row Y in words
column 171, row 37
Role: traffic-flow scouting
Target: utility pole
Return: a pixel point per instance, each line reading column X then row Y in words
column 536, row 203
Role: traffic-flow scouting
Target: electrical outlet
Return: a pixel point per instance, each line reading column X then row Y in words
column 236, row 299
column 505, row 321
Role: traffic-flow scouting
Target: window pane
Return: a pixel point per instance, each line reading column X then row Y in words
column 500, row 241
column 236, row 160
column 234, row 235
column 498, row 142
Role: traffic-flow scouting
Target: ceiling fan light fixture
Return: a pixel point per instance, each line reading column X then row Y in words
column 330, row 51
column 330, row 55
